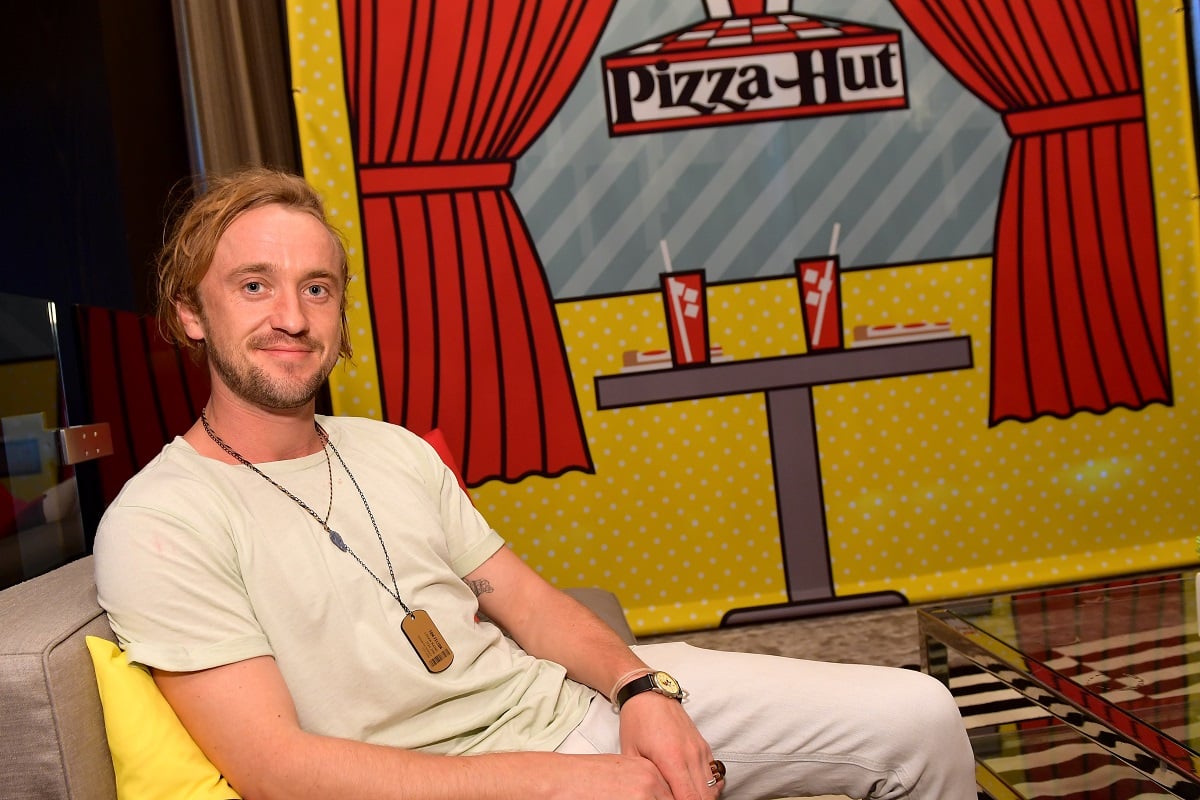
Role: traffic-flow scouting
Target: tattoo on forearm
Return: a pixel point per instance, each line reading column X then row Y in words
column 480, row 587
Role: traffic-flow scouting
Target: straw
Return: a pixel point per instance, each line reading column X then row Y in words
column 676, row 307
column 826, row 284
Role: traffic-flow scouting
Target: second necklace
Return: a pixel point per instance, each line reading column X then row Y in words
column 417, row 626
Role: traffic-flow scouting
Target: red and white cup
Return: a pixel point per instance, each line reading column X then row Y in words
column 819, row 281
column 685, row 304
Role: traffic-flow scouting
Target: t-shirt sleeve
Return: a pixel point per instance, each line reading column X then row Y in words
column 171, row 584
column 470, row 540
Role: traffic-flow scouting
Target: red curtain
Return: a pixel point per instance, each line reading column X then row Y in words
column 444, row 97
column 1077, row 316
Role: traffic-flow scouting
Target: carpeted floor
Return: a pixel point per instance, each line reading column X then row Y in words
column 887, row 637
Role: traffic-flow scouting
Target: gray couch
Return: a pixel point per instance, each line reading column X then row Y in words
column 52, row 741
column 52, row 729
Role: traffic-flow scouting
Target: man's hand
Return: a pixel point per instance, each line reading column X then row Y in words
column 658, row 728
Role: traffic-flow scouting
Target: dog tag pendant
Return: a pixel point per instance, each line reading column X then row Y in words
column 427, row 640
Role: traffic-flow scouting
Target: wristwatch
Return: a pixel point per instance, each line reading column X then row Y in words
column 659, row 682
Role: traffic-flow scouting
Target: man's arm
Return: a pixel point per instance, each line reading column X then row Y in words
column 552, row 625
column 242, row 717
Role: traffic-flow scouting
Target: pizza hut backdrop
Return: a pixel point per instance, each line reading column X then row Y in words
column 936, row 270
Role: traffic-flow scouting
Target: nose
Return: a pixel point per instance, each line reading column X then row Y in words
column 287, row 314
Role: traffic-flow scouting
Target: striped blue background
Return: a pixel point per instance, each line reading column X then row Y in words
column 743, row 201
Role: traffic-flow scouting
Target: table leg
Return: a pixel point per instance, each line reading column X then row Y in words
column 801, row 506
column 935, row 658
column 798, row 493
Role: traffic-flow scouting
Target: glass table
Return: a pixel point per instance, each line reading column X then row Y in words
column 1077, row 692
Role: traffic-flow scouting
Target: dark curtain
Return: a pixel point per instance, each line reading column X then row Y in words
column 1077, row 316
column 236, row 96
column 147, row 390
column 444, row 97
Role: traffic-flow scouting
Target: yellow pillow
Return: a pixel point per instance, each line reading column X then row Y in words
column 153, row 756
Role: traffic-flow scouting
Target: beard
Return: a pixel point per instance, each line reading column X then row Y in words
column 254, row 385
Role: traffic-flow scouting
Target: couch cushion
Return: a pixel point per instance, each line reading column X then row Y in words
column 52, row 729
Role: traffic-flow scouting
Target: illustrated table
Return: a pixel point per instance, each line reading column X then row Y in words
column 787, row 383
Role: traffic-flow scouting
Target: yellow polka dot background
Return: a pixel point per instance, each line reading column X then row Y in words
column 921, row 496
column 318, row 89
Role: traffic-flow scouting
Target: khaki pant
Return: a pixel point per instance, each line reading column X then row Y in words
column 786, row 727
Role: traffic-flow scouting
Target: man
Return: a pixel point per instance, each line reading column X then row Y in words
column 308, row 592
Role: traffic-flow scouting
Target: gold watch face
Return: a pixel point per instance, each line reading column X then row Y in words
column 668, row 684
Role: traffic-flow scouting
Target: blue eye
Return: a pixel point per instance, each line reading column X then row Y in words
column 316, row 290
column 253, row 287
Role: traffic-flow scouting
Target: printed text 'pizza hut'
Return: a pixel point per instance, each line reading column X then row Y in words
column 750, row 69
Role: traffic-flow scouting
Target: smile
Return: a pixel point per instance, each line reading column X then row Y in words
column 286, row 352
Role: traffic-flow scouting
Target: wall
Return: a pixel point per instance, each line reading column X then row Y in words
column 91, row 116
column 921, row 495
column 91, row 103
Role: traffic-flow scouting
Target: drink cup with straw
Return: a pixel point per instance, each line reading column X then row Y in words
column 685, row 304
column 820, row 294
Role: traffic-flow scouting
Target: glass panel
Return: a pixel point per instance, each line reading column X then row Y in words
column 1126, row 650
column 40, row 522
column 1047, row 760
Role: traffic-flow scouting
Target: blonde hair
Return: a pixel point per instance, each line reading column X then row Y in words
column 192, row 241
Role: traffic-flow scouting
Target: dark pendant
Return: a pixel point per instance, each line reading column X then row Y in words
column 338, row 541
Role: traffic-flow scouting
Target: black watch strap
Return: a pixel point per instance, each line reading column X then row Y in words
column 646, row 683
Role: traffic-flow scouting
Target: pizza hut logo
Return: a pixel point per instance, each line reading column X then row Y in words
column 753, row 61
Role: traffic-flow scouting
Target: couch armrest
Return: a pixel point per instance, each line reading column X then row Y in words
column 605, row 605
column 52, row 729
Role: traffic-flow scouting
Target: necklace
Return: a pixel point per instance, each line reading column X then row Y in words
column 417, row 626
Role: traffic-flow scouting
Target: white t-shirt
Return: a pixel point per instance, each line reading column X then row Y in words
column 200, row 564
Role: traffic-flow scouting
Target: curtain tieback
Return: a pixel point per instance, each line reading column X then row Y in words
column 398, row 179
column 1078, row 114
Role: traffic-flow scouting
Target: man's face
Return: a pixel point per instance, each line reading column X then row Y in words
column 270, row 308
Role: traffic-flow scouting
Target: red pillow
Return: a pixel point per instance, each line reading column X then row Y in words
column 438, row 441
